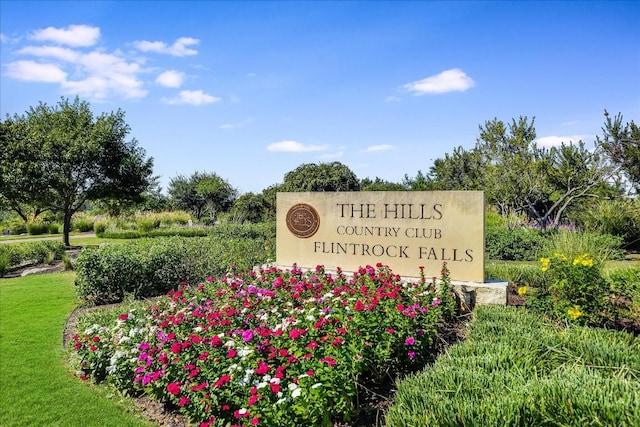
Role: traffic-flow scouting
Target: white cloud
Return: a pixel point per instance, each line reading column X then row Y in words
column 73, row 35
column 178, row 48
column 171, row 78
column 294, row 147
column 570, row 123
column 393, row 99
column 382, row 147
column 31, row 71
column 556, row 141
column 227, row 126
column 453, row 80
column 55, row 52
column 192, row 97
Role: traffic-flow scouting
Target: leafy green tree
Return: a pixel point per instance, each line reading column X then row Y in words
column 421, row 182
column 250, row 207
column 621, row 143
column 217, row 193
column 59, row 158
column 201, row 193
column 460, row 170
column 332, row 176
column 379, row 184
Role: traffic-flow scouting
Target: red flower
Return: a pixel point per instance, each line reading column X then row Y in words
column 294, row 334
column 312, row 345
column 96, row 339
column 123, row 316
column 275, row 388
column 329, row 360
column 216, row 341
column 222, row 381
column 255, row 421
column 263, row 368
column 174, row 388
column 183, row 401
column 176, row 347
column 232, row 353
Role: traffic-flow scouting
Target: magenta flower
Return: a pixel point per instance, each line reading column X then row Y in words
column 412, row 354
column 174, row 388
column 410, row 341
column 247, row 335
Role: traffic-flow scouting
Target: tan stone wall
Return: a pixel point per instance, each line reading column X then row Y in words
column 402, row 229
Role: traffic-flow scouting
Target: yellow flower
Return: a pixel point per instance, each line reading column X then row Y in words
column 522, row 290
column 574, row 312
column 545, row 264
column 584, row 260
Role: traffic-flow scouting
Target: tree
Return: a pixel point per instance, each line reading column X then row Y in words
column 460, row 170
column 250, row 207
column 621, row 143
column 200, row 193
column 421, row 182
column 58, row 158
column 380, row 184
column 217, row 193
column 541, row 183
column 320, row 177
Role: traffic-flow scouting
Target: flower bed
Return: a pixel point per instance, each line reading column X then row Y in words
column 268, row 348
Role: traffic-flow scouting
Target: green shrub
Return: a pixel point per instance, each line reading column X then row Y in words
column 99, row 227
column 150, row 267
column 148, row 223
column 15, row 254
column 53, row 228
column 625, row 294
column 517, row 369
column 36, row 228
column 17, row 227
column 82, row 222
column 620, row 217
column 513, row 244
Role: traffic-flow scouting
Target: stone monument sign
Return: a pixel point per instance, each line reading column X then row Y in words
column 402, row 229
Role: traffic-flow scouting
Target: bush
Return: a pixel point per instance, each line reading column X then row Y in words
column 36, row 228
column 150, row 267
column 625, row 295
column 17, row 227
column 148, row 223
column 620, row 217
column 53, row 228
column 519, row 274
column 82, row 222
column 513, row 244
column 15, row 254
column 99, row 227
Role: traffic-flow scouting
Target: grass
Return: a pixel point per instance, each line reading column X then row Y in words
column 516, row 369
column 36, row 385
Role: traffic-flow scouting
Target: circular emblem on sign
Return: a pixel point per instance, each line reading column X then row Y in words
column 303, row 220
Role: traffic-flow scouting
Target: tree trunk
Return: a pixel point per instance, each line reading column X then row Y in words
column 66, row 228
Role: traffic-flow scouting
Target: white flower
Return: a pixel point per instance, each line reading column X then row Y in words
column 316, row 385
column 295, row 393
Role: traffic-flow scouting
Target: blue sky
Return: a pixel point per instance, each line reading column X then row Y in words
column 252, row 90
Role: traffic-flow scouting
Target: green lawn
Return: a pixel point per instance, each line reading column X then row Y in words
column 37, row 388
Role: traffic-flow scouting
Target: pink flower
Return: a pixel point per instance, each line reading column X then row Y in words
column 410, row 341
column 123, row 316
column 254, row 421
column 412, row 354
column 176, row 347
column 174, row 388
column 263, row 368
column 183, row 401
column 294, row 334
column 232, row 353
column 329, row 360
column 247, row 335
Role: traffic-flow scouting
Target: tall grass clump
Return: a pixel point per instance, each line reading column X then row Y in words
column 601, row 247
column 517, row 369
column 15, row 254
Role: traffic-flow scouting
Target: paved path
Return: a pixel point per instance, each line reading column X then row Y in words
column 32, row 239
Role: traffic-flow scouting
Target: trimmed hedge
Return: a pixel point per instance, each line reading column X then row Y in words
column 14, row 254
column 150, row 267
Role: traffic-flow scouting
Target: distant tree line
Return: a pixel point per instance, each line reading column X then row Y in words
column 59, row 159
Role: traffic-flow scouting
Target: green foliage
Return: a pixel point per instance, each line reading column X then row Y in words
column 619, row 217
column 250, row 207
column 36, row 228
column 519, row 244
column 333, row 176
column 82, row 222
column 14, row 254
column 517, row 369
column 53, row 228
column 151, row 267
column 379, row 184
column 156, row 232
column 577, row 288
column 517, row 273
column 71, row 157
column 621, row 143
column 200, row 193
column 601, row 247
column 625, row 295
